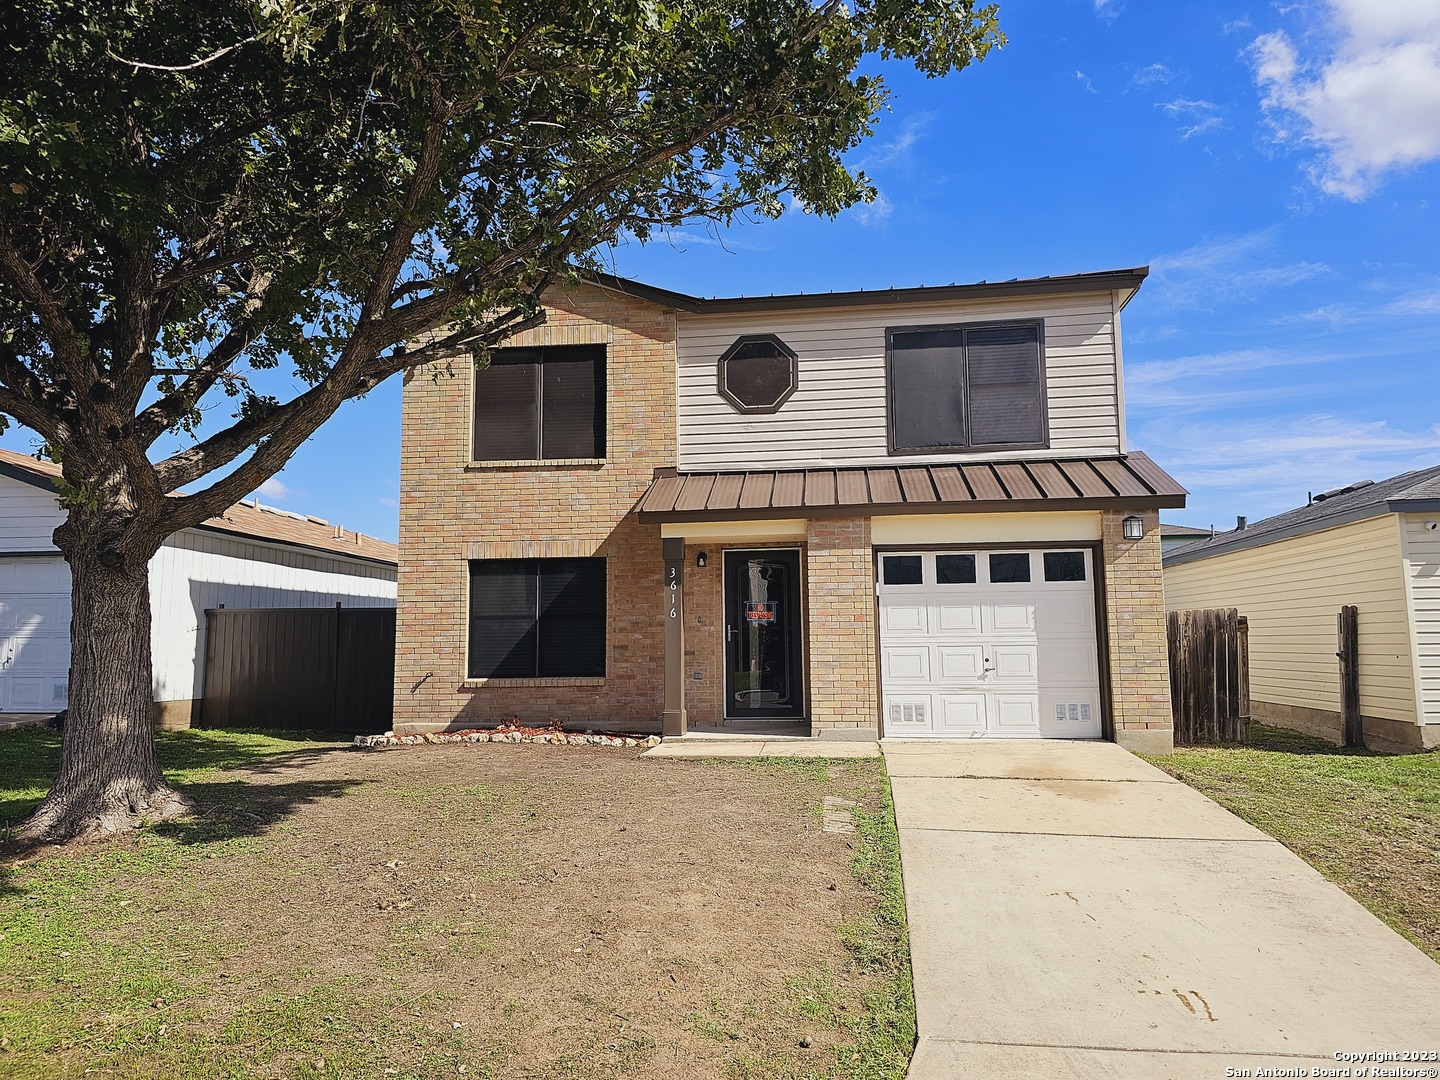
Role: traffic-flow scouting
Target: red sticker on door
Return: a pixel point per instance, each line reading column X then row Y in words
column 759, row 611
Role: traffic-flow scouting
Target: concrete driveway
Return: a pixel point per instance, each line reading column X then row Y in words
column 1075, row 912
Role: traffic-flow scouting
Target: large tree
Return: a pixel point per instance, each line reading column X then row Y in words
column 194, row 192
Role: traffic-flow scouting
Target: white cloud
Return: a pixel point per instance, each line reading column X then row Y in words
column 1084, row 81
column 1242, row 23
column 1108, row 9
column 383, row 501
column 1195, row 117
column 679, row 238
column 1419, row 302
column 1367, row 99
column 873, row 213
column 275, row 490
column 1231, row 269
column 897, row 150
column 1154, row 73
column 1268, row 467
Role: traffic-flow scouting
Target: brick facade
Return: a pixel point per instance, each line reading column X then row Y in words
column 840, row 594
column 452, row 511
column 1135, row 626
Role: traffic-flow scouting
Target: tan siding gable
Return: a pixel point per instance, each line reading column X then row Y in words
column 1292, row 591
column 1422, row 568
column 838, row 414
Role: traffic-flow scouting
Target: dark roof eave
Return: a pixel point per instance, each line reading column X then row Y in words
column 773, row 513
column 1101, row 281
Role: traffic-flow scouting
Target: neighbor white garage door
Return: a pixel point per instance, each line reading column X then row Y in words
column 978, row 643
column 34, row 634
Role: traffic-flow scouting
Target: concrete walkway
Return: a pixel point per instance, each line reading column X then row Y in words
column 1075, row 912
column 750, row 746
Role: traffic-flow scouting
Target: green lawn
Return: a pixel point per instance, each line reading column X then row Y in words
column 1368, row 822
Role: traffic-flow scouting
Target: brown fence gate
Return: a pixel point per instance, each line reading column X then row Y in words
column 301, row 669
column 1210, row 675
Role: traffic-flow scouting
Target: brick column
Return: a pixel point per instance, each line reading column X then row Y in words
column 1135, row 621
column 840, row 593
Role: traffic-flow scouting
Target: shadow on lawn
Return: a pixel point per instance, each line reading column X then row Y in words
column 234, row 809
column 1285, row 741
column 228, row 807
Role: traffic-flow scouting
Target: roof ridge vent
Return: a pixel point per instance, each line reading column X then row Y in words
column 1335, row 493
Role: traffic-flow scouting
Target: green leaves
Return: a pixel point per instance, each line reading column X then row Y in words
column 322, row 180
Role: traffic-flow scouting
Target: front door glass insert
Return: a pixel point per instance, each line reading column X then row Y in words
column 762, row 635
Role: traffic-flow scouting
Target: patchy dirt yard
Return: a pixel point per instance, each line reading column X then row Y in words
column 489, row 911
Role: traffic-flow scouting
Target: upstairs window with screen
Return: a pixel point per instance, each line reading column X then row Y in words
column 967, row 387
column 541, row 404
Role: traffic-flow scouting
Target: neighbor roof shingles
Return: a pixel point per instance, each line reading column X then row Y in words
column 1418, row 491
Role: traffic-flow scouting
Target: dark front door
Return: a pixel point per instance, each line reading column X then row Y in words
column 762, row 635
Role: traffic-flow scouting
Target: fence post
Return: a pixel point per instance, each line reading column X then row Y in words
column 1348, row 633
column 1242, row 680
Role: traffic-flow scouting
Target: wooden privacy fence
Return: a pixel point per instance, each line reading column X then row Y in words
column 1210, row 675
column 301, row 669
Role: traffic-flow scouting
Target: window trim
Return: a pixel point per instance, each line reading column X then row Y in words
column 473, row 462
column 1000, row 324
column 729, row 354
column 469, row 681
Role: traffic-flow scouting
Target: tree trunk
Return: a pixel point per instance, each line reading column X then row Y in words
column 109, row 779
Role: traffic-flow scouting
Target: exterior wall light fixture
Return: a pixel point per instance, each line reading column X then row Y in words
column 702, row 559
column 1133, row 528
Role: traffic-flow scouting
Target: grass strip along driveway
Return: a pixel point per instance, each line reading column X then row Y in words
column 1368, row 822
column 490, row 911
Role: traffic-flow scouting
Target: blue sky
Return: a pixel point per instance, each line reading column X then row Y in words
column 1276, row 166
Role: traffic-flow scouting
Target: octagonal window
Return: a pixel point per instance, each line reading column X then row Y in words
column 758, row 373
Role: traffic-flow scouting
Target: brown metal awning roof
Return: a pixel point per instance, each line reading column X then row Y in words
column 1072, row 484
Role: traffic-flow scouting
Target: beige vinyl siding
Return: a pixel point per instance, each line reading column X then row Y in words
column 1292, row 591
column 1422, row 569
column 838, row 414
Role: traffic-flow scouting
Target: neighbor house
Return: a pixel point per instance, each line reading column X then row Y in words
column 1174, row 537
column 909, row 513
column 1372, row 545
column 249, row 557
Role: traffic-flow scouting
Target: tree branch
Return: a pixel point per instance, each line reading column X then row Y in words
column 216, row 55
column 61, row 334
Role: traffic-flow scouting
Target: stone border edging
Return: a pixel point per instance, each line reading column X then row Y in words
column 505, row 735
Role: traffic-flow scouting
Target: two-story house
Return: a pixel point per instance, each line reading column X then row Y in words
column 909, row 513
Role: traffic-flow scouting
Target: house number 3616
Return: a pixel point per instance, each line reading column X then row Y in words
column 674, row 592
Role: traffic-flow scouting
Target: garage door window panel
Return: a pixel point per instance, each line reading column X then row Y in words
column 1008, row 567
column 902, row 570
column 955, row 569
column 1064, row 566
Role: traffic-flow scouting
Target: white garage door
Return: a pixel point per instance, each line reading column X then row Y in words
column 989, row 644
column 34, row 634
